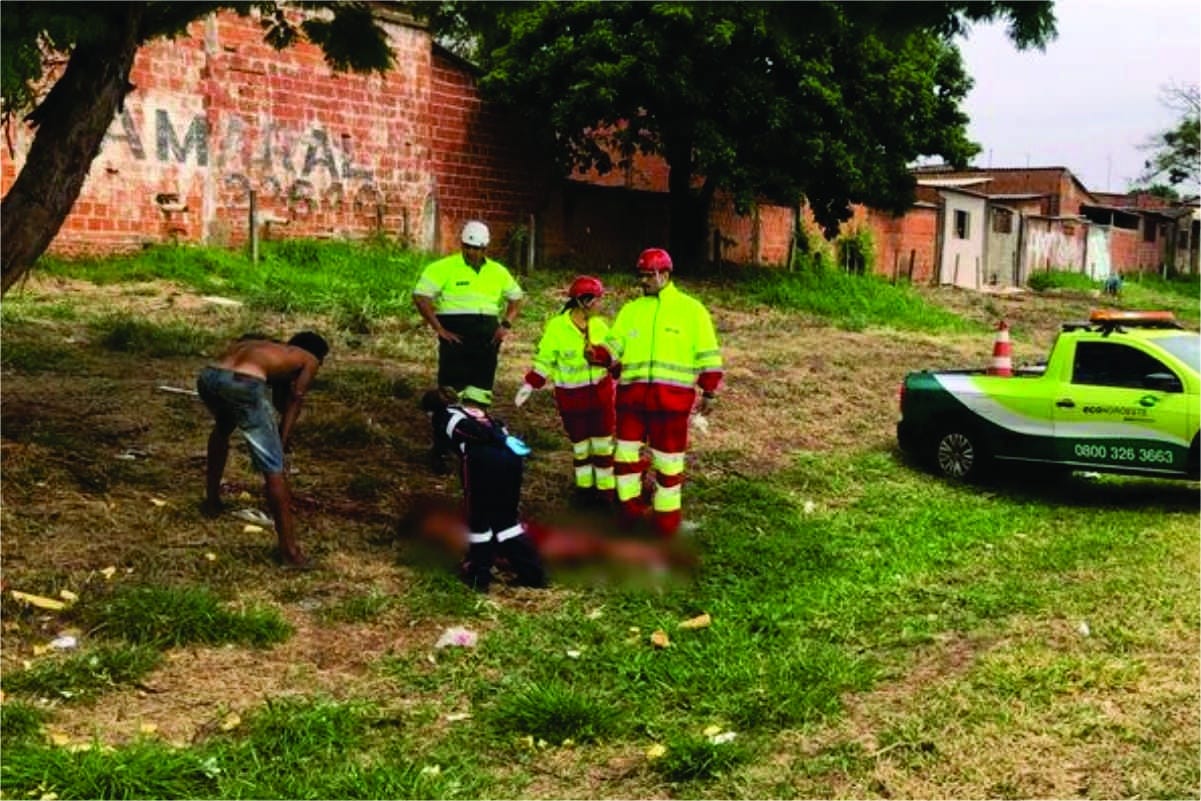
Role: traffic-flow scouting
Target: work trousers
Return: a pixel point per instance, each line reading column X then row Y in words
column 590, row 420
column 471, row 362
column 666, row 433
column 491, row 476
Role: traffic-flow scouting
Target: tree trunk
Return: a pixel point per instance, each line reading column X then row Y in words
column 688, row 213
column 71, row 123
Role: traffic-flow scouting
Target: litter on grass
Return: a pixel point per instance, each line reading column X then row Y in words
column 178, row 390
column 257, row 516
column 458, row 637
column 40, row 601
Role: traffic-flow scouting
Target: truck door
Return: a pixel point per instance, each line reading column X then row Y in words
column 1121, row 407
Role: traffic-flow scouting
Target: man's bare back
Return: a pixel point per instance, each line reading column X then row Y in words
column 270, row 361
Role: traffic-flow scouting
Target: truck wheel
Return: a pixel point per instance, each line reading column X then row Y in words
column 1194, row 459
column 959, row 453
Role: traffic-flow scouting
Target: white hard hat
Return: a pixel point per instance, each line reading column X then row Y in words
column 475, row 233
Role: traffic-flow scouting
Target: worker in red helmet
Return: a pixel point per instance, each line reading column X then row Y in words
column 584, row 391
column 667, row 348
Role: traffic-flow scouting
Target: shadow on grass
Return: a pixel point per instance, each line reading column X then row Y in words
column 1055, row 486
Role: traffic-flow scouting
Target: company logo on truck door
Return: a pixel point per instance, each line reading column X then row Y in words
column 1120, row 411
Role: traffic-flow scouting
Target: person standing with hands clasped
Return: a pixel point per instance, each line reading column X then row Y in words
column 667, row 347
column 584, row 391
column 459, row 297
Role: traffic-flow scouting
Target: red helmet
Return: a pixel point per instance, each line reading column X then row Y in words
column 586, row 285
column 654, row 260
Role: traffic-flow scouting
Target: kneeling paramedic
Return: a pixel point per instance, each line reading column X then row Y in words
column 490, row 467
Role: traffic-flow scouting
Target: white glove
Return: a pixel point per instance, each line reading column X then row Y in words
column 523, row 395
column 700, row 424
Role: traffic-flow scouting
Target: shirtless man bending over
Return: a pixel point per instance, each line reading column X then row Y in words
column 238, row 391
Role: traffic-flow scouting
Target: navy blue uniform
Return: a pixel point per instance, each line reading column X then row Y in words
column 491, row 473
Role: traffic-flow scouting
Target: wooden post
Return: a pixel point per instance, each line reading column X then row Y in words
column 912, row 256
column 794, row 244
column 254, row 227
column 756, row 236
column 530, row 247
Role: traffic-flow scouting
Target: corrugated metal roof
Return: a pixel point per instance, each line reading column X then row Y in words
column 942, row 182
column 1019, row 196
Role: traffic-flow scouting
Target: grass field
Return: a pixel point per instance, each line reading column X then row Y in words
column 876, row 632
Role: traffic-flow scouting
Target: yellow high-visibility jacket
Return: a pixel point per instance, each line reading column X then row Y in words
column 561, row 355
column 667, row 346
column 457, row 288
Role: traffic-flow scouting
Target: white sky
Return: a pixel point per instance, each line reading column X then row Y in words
column 1092, row 98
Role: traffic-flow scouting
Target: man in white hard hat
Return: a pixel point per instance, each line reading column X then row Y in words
column 459, row 297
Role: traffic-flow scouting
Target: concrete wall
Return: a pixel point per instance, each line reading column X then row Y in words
column 1053, row 244
column 1097, row 258
column 962, row 258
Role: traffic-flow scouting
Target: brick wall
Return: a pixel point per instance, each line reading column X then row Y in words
column 762, row 236
column 906, row 245
column 411, row 154
column 219, row 113
column 483, row 167
column 601, row 229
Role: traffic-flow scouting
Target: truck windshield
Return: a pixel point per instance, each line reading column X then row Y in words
column 1186, row 348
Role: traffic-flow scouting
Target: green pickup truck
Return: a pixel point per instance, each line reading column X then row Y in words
column 1117, row 394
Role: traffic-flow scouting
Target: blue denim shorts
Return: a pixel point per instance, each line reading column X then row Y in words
column 242, row 400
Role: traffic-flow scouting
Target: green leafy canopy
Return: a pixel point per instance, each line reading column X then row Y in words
column 826, row 100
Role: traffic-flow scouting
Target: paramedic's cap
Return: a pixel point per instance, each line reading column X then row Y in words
column 477, row 395
column 475, row 234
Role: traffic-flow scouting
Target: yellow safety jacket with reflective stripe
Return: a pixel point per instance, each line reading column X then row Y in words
column 666, row 340
column 457, row 288
column 560, row 357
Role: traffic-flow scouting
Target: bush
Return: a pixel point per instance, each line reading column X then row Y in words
column 1060, row 279
column 850, row 301
column 857, row 251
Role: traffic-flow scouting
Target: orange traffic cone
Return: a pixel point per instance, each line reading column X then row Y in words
column 1002, row 364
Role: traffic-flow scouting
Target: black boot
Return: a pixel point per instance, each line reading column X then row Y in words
column 524, row 561
column 476, row 570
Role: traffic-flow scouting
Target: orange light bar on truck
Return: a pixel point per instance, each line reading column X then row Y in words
column 1116, row 317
